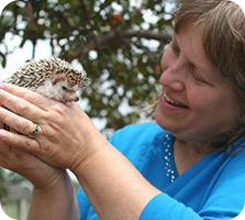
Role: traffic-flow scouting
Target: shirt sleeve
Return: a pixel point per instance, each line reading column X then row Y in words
column 163, row 206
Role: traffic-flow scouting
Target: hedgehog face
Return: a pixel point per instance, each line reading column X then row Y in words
column 65, row 88
column 67, row 92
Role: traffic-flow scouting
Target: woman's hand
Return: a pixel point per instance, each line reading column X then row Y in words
column 64, row 130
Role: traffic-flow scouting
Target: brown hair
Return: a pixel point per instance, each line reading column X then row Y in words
column 222, row 23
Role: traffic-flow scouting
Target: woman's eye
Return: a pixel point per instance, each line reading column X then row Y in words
column 197, row 76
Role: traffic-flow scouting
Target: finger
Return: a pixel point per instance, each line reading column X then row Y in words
column 20, row 106
column 17, row 122
column 31, row 96
column 20, row 142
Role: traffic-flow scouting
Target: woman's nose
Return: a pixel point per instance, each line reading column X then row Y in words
column 173, row 66
column 172, row 80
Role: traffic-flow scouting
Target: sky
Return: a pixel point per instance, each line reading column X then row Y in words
column 20, row 55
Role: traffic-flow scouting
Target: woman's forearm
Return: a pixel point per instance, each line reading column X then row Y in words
column 54, row 204
column 113, row 185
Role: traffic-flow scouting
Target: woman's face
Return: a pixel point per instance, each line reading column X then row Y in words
column 196, row 103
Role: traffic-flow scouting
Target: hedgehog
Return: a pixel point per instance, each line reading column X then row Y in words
column 51, row 77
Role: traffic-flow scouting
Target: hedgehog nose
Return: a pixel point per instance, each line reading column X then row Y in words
column 76, row 99
column 72, row 97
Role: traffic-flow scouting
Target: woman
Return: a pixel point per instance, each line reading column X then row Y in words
column 188, row 165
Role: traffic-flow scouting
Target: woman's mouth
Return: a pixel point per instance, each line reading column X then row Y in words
column 173, row 102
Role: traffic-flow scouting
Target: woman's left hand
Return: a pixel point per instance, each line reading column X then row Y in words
column 64, row 130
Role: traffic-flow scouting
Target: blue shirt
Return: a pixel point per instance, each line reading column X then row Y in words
column 212, row 189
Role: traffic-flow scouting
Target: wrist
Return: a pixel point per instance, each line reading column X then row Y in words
column 57, row 180
column 54, row 202
column 95, row 146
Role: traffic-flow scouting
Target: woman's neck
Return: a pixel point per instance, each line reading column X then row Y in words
column 187, row 154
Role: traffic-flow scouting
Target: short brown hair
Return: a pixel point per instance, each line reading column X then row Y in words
column 222, row 23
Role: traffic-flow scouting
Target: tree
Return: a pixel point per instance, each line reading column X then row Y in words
column 117, row 42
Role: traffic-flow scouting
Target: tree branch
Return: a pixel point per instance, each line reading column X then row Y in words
column 105, row 41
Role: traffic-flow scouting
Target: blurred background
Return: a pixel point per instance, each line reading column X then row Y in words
column 116, row 43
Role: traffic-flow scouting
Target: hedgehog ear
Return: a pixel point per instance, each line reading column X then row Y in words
column 58, row 77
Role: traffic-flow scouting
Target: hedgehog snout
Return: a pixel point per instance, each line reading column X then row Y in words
column 71, row 97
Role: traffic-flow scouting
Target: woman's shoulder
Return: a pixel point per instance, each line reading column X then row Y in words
column 136, row 137
column 145, row 130
column 235, row 165
column 138, row 142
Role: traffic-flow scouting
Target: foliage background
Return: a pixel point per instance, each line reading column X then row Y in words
column 117, row 43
